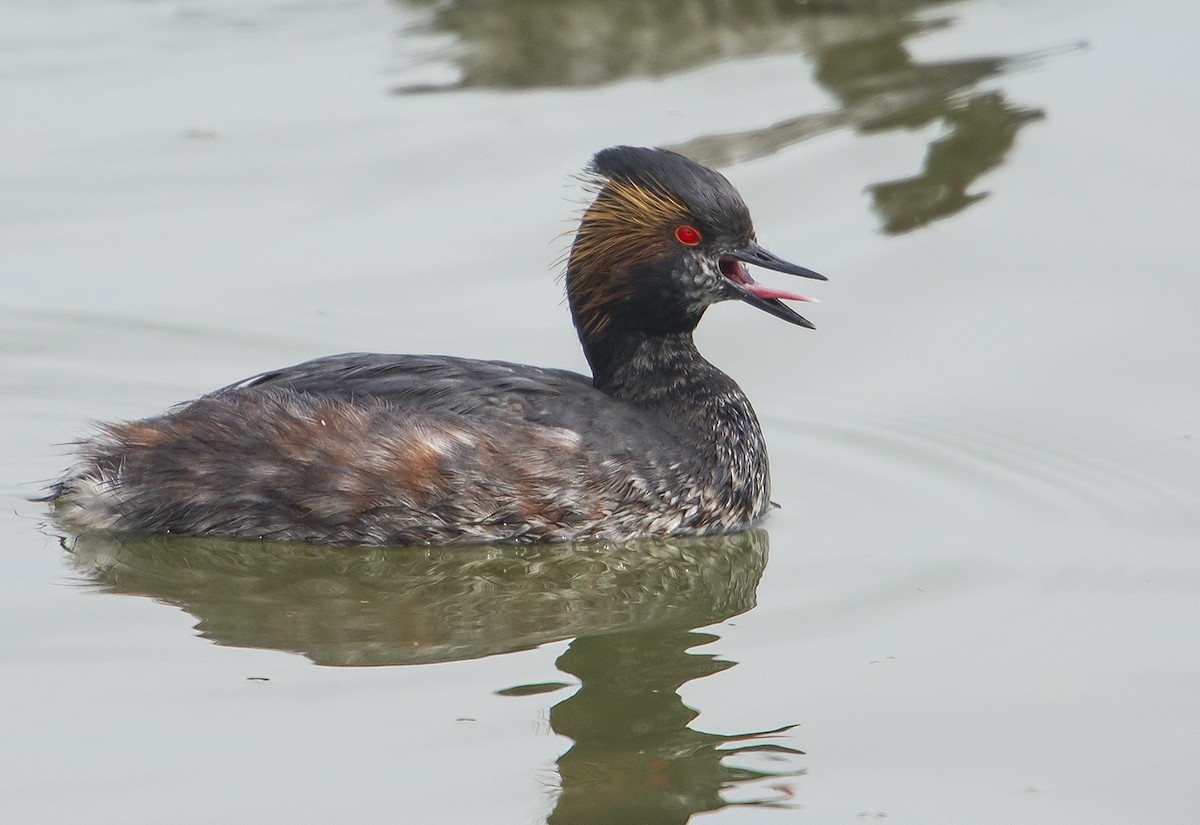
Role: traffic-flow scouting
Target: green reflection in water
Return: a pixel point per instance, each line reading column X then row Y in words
column 630, row 609
column 535, row 44
column 397, row 606
column 857, row 49
column 982, row 128
column 635, row 758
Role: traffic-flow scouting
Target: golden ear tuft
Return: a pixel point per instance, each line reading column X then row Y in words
column 625, row 226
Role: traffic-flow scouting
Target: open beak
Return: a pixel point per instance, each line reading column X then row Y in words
column 733, row 267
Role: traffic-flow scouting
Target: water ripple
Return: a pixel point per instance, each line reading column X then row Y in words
column 1033, row 469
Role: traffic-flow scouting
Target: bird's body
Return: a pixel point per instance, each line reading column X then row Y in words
column 405, row 449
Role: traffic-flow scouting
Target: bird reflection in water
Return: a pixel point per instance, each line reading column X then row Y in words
column 630, row 608
column 635, row 757
column 857, row 48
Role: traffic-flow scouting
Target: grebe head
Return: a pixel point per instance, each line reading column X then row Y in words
column 663, row 240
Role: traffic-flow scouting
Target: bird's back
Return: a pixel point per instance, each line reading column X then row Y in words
column 401, row 449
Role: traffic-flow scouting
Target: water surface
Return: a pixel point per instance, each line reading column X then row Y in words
column 978, row 600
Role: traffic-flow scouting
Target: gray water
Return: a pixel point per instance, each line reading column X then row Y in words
column 978, row 602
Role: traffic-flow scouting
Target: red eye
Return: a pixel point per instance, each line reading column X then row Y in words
column 687, row 235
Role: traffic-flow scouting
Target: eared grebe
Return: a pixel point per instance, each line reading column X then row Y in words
column 408, row 449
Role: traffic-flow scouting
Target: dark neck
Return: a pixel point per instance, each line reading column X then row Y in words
column 664, row 372
column 666, row 376
column 645, row 368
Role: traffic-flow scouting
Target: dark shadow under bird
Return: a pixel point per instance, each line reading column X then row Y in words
column 409, row 449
